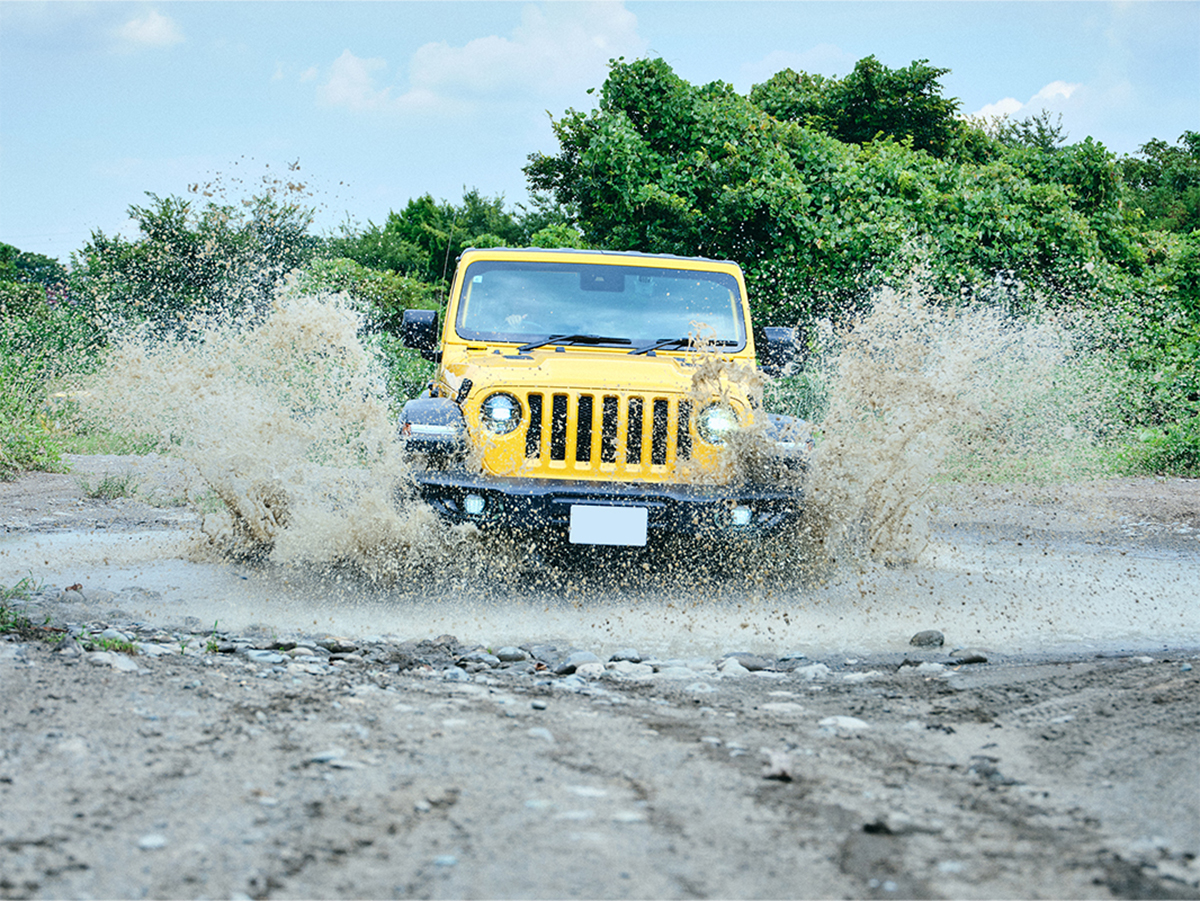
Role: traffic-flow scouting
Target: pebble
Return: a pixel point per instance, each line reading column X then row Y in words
column 731, row 666
column 152, row 842
column 626, row 655
column 929, row 638
column 120, row 662
column 968, row 655
column 264, row 657
column 541, row 732
column 750, row 662
column 812, row 673
column 590, row 670
column 511, row 654
column 573, row 661
column 490, row 660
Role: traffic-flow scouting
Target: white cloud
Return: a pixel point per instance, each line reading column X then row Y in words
column 1007, row 107
column 556, row 48
column 1056, row 89
column 351, row 84
column 1052, row 95
column 151, row 30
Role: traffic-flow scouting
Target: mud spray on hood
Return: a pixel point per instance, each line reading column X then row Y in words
column 287, row 419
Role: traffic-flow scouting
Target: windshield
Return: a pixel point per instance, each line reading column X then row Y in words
column 527, row 302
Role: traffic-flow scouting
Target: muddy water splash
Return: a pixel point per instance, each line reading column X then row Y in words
column 288, row 423
column 915, row 390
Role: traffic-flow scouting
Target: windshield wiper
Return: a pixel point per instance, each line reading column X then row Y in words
column 677, row 342
column 572, row 339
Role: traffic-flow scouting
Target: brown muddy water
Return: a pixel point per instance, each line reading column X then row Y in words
column 288, row 441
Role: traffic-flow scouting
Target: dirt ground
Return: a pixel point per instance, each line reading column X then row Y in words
column 219, row 765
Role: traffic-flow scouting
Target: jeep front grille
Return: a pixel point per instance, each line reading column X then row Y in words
column 627, row 433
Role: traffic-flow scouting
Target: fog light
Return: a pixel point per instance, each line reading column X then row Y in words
column 473, row 504
column 740, row 516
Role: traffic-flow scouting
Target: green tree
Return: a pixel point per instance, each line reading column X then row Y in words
column 425, row 238
column 872, row 101
column 191, row 262
column 1164, row 182
column 816, row 223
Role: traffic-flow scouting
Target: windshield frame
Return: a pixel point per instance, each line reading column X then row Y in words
column 600, row 297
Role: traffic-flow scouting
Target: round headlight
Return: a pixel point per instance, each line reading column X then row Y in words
column 715, row 422
column 501, row 413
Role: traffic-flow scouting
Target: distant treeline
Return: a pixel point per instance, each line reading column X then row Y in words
column 823, row 189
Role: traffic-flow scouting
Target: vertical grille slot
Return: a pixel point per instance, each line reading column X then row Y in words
column 558, row 427
column 583, row 429
column 658, row 433
column 633, row 441
column 683, row 434
column 533, row 437
column 608, row 430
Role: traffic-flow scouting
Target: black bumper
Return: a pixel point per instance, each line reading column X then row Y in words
column 535, row 504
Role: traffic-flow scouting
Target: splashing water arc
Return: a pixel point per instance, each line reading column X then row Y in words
column 289, row 424
column 287, row 420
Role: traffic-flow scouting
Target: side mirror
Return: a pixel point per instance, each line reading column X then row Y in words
column 420, row 332
column 777, row 349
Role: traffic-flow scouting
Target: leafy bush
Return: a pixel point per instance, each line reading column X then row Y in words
column 189, row 263
column 35, row 350
column 384, row 295
column 818, row 223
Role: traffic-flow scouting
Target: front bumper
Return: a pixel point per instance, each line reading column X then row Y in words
column 537, row 504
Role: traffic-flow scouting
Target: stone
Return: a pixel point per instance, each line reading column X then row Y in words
column 632, row 670
column 750, row 662
column 731, row 666
column 480, row 656
column 261, row 656
column 574, row 660
column 811, row 673
column 626, row 655
column 510, row 654
column 541, row 732
column 590, row 670
column 777, row 765
column 968, row 655
column 929, row 638
column 152, row 842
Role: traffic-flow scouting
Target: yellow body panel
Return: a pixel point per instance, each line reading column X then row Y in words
column 596, row 413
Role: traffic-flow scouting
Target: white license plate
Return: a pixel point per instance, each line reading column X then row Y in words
column 591, row 524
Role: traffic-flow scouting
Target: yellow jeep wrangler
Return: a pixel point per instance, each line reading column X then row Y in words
column 599, row 396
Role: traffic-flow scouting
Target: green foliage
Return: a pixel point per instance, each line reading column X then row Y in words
column 36, row 349
column 424, row 240
column 384, row 295
column 560, row 235
column 1164, row 182
column 426, row 237
column 191, row 262
column 15, row 622
column 871, row 102
column 1036, row 132
column 110, row 487
column 817, row 223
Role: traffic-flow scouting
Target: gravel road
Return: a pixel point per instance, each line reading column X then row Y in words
column 255, row 763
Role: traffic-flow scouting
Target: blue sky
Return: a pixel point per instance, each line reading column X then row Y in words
column 384, row 101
